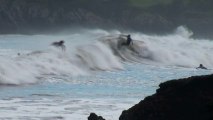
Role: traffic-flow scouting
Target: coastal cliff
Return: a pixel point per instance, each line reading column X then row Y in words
column 184, row 99
column 31, row 16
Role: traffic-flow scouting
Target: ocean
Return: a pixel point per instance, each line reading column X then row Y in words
column 94, row 74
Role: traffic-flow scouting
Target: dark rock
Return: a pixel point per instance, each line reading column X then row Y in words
column 184, row 99
column 35, row 16
column 93, row 116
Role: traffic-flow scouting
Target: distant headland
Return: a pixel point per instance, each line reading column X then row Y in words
column 36, row 16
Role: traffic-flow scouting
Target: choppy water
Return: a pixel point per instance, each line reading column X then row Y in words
column 94, row 74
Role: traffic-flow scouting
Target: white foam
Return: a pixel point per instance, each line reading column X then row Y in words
column 178, row 49
column 91, row 51
column 68, row 109
column 38, row 59
column 98, row 56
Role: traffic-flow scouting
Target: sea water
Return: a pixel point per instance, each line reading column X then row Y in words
column 41, row 82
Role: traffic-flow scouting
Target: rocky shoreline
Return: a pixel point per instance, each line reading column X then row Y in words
column 183, row 99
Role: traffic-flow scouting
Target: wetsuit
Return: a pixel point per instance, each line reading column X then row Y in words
column 129, row 40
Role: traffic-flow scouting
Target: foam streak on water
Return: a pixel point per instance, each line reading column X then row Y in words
column 60, row 109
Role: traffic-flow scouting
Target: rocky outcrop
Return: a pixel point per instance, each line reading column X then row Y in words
column 93, row 116
column 184, row 99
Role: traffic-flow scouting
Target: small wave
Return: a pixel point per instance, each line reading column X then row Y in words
column 44, row 95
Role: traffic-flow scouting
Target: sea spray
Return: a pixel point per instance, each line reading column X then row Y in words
column 178, row 49
column 96, row 50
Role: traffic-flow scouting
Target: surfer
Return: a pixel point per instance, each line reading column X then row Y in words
column 59, row 44
column 128, row 41
column 201, row 67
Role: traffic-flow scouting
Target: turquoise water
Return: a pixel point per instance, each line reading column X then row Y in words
column 106, row 93
column 136, row 81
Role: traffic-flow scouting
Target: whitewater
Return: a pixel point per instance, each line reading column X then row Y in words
column 96, row 73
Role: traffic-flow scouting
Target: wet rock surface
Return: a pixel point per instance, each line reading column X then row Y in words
column 184, row 99
column 93, row 116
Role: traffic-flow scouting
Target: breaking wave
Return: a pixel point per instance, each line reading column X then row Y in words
column 105, row 53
